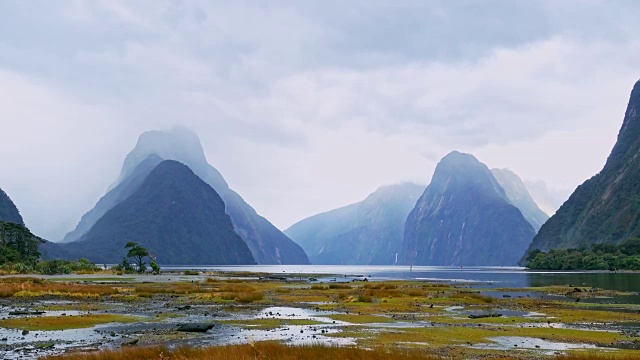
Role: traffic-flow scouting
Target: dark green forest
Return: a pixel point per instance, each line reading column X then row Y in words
column 624, row 256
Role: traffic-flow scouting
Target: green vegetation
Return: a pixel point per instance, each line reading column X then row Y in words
column 18, row 245
column 53, row 267
column 19, row 254
column 138, row 254
column 64, row 322
column 625, row 256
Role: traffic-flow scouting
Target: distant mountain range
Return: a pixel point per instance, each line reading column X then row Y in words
column 267, row 244
column 365, row 233
column 605, row 208
column 464, row 217
column 8, row 210
column 519, row 196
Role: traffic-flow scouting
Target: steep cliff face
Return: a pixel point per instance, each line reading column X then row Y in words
column 267, row 244
column 519, row 196
column 175, row 215
column 605, row 208
column 366, row 233
column 8, row 210
column 464, row 218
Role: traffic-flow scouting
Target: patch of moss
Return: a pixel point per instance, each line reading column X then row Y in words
column 65, row 322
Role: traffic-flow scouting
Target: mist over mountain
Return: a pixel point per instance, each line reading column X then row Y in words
column 519, row 196
column 549, row 200
column 605, row 208
column 114, row 196
column 8, row 210
column 464, row 218
column 267, row 244
column 369, row 232
column 175, row 215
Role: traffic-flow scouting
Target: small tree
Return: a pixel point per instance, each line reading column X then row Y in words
column 155, row 268
column 138, row 253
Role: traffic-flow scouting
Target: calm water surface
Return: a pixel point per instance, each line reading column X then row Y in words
column 512, row 277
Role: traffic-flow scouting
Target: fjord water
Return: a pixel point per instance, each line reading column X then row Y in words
column 494, row 277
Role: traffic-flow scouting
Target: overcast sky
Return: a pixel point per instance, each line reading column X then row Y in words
column 305, row 106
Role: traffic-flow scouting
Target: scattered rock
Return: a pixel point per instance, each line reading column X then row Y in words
column 131, row 342
column 482, row 316
column 26, row 312
column 196, row 327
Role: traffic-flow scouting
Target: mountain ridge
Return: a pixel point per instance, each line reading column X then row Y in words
column 8, row 210
column 368, row 232
column 519, row 196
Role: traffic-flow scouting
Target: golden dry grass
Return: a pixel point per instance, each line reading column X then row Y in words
column 170, row 289
column 28, row 287
column 243, row 297
column 339, row 286
column 237, row 287
column 258, row 351
column 473, row 296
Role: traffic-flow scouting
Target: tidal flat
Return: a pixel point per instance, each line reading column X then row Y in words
column 79, row 317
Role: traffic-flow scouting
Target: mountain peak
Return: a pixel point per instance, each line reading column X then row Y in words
column 626, row 144
column 179, row 144
column 458, row 169
column 464, row 218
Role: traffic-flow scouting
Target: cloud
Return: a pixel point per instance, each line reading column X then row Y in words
column 306, row 106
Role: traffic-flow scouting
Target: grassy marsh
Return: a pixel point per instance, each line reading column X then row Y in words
column 440, row 331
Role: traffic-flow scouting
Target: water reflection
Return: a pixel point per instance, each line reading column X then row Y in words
column 515, row 277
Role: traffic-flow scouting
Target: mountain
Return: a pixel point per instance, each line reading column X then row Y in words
column 519, row 196
column 175, row 215
column 8, row 210
column 366, row 233
column 549, row 200
column 115, row 196
column 605, row 208
column 464, row 218
column 267, row 244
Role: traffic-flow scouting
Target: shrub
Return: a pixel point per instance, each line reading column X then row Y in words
column 339, row 286
column 155, row 268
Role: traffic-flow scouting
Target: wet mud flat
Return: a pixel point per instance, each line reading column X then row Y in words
column 57, row 315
